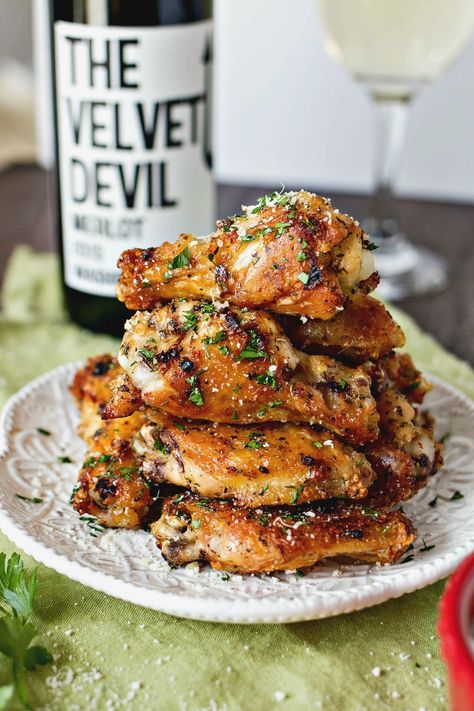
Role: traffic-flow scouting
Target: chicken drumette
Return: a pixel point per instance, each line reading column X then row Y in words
column 194, row 360
column 292, row 253
column 254, row 465
column 363, row 331
column 110, row 487
column 269, row 539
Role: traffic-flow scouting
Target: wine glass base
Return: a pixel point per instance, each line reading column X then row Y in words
column 416, row 271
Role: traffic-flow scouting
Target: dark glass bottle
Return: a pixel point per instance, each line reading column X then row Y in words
column 132, row 92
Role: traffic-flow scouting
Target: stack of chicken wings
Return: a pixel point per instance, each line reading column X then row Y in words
column 257, row 415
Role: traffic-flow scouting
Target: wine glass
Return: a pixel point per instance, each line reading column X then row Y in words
column 394, row 48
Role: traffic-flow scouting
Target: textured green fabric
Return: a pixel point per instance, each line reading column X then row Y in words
column 110, row 654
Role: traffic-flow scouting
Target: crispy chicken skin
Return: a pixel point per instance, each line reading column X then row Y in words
column 232, row 365
column 363, row 331
column 271, row 539
column 406, row 453
column 292, row 253
column 403, row 471
column 110, row 487
column 398, row 371
column 255, row 465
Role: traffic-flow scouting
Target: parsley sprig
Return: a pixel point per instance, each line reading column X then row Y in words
column 17, row 593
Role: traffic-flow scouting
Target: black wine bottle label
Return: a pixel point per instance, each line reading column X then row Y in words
column 133, row 114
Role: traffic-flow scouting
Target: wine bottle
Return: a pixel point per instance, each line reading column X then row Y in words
column 132, row 92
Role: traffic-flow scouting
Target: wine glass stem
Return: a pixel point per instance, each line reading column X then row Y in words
column 391, row 116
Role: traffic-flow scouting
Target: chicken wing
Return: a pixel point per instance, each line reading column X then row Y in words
column 110, row 486
column 406, row 453
column 363, row 331
column 291, row 253
column 269, row 539
column 404, row 461
column 397, row 370
column 253, row 465
column 191, row 359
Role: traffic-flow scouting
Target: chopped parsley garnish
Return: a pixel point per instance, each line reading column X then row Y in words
column 181, row 259
column 127, row 470
column 203, row 503
column 93, row 525
column 42, row 431
column 196, row 522
column 159, row 445
column 250, row 354
column 253, row 347
column 412, row 386
column 32, row 500
column 274, row 198
column 75, row 489
column 146, row 354
column 248, row 238
column 235, row 415
column 104, row 458
column 372, row 513
column 261, row 412
column 92, row 461
column 456, row 496
column 224, row 350
column 195, row 394
column 303, row 277
column 179, row 425
column 64, row 459
column 178, row 498
column 317, row 444
column 190, row 320
column 343, row 383
column 207, row 308
column 370, row 245
column 212, row 340
column 281, row 227
column 267, row 379
column 275, row 403
column 263, row 489
column 297, row 491
column 255, row 441
column 425, row 547
column 301, row 256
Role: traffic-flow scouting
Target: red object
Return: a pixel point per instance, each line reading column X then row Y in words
column 455, row 626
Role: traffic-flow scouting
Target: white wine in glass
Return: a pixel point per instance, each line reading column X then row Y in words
column 394, row 48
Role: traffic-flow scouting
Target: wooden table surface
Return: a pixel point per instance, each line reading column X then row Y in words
column 27, row 210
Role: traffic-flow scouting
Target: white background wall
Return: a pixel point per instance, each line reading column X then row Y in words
column 286, row 112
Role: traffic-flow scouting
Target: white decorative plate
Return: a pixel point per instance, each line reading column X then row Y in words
column 128, row 565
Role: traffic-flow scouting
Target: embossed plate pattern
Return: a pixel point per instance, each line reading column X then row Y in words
column 128, row 565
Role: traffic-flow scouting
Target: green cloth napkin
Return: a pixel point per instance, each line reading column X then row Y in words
column 111, row 655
